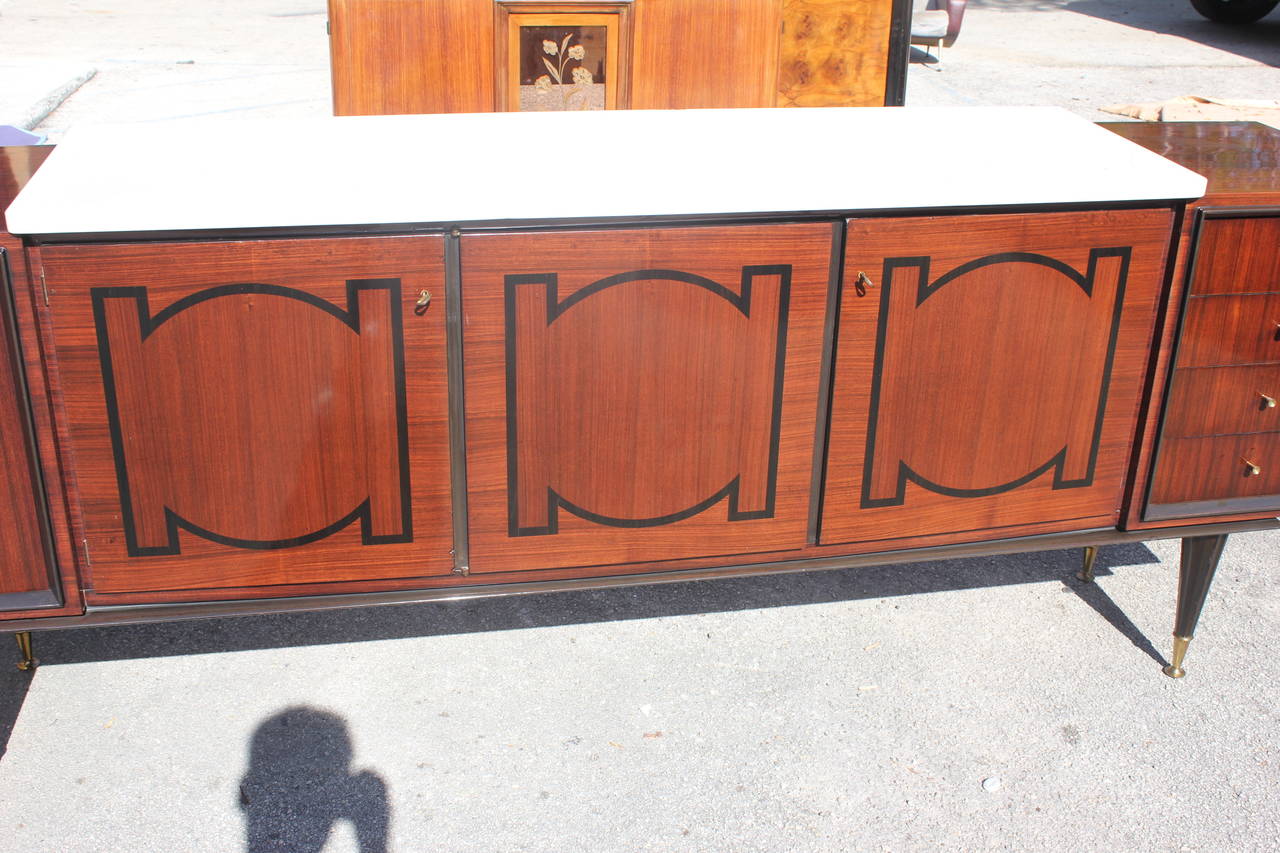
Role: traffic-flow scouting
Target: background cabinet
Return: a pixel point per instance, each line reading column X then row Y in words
column 641, row 395
column 436, row 56
column 988, row 373
column 254, row 414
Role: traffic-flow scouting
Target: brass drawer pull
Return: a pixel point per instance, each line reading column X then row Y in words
column 1250, row 470
column 1268, row 402
column 424, row 299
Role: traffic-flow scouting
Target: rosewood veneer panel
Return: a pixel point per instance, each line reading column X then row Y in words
column 394, row 57
column 705, row 53
column 637, row 396
column 1223, row 400
column 1218, row 468
column 1220, row 330
column 255, row 413
column 37, row 565
column 990, row 375
column 1238, row 255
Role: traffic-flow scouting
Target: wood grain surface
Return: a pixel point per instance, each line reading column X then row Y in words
column 1219, row 330
column 705, row 53
column 1217, row 467
column 37, row 564
column 234, row 416
column 641, row 395
column 991, row 373
column 1241, row 161
column 1223, row 400
column 834, row 53
column 394, row 57
column 1238, row 255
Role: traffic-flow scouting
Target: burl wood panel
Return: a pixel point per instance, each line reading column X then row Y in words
column 1222, row 400
column 705, row 53
column 1219, row 330
column 1217, row 467
column 834, row 53
column 37, row 566
column 1238, row 255
column 255, row 413
column 392, row 57
column 641, row 395
column 990, row 374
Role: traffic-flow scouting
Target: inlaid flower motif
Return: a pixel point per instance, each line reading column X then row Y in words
column 577, row 52
column 582, row 75
column 549, row 47
column 542, row 84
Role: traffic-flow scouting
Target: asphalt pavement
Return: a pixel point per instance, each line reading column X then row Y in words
column 990, row 703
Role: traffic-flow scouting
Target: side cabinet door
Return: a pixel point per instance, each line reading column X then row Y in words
column 250, row 414
column 988, row 374
column 641, row 395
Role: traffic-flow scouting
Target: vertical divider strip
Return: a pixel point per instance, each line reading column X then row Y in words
column 457, row 400
column 826, row 383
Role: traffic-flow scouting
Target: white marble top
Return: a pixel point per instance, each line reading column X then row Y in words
column 508, row 167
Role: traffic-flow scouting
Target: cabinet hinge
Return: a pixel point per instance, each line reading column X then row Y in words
column 84, row 543
column 44, row 287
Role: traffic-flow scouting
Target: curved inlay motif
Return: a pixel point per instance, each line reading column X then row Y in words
column 956, row 379
column 222, row 405
column 591, row 401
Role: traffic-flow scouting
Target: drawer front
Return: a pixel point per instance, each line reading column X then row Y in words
column 1216, row 475
column 1237, row 255
column 1223, row 400
column 1221, row 330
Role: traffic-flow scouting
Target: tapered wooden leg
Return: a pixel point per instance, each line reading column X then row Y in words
column 28, row 662
column 1086, row 570
column 1200, row 556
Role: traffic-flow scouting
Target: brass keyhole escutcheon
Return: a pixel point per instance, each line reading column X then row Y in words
column 861, row 283
column 1250, row 470
column 424, row 299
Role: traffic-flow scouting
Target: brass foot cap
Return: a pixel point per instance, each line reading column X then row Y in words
column 1084, row 577
column 28, row 665
column 1174, row 671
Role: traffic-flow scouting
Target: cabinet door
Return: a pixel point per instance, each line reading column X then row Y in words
column 641, row 395
column 988, row 373
column 256, row 413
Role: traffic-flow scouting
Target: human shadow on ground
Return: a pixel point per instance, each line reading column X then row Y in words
column 1259, row 41
column 244, row 633
column 300, row 784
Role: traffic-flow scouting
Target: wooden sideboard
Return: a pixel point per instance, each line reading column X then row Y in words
column 325, row 401
column 452, row 56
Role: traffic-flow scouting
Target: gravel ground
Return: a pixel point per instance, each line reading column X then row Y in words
column 978, row 704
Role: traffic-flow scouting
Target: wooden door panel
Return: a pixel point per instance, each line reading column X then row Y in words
column 255, row 413
column 987, row 371
column 641, row 395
